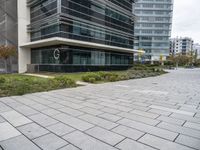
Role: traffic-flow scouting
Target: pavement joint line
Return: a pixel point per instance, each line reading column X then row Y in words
column 1, row 148
column 172, row 110
column 176, row 137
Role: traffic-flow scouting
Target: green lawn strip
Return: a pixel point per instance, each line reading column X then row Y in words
column 21, row 84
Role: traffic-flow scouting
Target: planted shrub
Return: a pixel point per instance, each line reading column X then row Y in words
column 92, row 80
column 63, row 82
column 91, row 76
column 2, row 80
column 100, row 76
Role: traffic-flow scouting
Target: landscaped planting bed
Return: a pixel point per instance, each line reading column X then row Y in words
column 21, row 84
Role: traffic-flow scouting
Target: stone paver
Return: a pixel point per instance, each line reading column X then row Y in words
column 105, row 135
column 128, row 132
column 7, row 131
column 130, row 145
column 145, row 114
column 139, row 118
column 149, row 129
column 32, row 130
column 19, row 142
column 171, row 120
column 86, row 142
column 15, row 118
column 162, row 144
column 50, row 142
column 188, row 141
column 180, row 129
column 43, row 120
column 192, row 125
column 153, row 113
column 99, row 121
column 60, row 129
column 160, row 112
column 74, row 122
column 110, row 117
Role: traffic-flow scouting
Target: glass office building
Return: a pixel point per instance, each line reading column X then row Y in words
column 153, row 27
column 80, row 35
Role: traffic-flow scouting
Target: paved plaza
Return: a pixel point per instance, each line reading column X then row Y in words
column 145, row 114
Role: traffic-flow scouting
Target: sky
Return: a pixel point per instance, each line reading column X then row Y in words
column 186, row 19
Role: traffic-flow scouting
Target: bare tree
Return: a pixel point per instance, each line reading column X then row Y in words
column 6, row 52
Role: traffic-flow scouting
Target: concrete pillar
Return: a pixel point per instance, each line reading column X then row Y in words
column 24, row 55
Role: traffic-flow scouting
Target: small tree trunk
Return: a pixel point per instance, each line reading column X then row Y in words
column 5, row 63
column 176, row 65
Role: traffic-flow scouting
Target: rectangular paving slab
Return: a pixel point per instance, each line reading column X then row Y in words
column 149, row 129
column 105, row 135
column 86, row 142
column 19, row 143
column 32, row 130
column 7, row 131
column 50, row 142
column 162, row 144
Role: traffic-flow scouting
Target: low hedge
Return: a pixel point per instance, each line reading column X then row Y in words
column 100, row 76
column 133, row 73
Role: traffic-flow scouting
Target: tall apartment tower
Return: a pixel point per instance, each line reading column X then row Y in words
column 8, row 29
column 75, row 35
column 153, row 27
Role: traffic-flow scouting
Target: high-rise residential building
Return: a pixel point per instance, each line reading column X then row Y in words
column 182, row 45
column 153, row 27
column 75, row 35
column 8, row 30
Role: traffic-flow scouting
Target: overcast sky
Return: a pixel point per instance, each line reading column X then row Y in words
column 186, row 19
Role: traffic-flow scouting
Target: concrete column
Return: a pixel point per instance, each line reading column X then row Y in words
column 24, row 55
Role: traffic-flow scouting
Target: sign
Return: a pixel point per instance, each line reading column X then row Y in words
column 56, row 54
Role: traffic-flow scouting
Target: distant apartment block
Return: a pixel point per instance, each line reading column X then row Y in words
column 8, row 29
column 181, row 45
column 153, row 27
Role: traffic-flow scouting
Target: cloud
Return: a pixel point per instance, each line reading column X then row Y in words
column 186, row 19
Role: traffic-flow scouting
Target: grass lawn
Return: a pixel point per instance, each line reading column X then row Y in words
column 15, row 84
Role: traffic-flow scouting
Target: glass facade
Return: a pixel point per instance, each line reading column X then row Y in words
column 78, row 56
column 153, row 27
column 84, row 20
column 107, row 22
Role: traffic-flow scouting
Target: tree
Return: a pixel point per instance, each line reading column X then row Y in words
column 180, row 59
column 7, row 52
